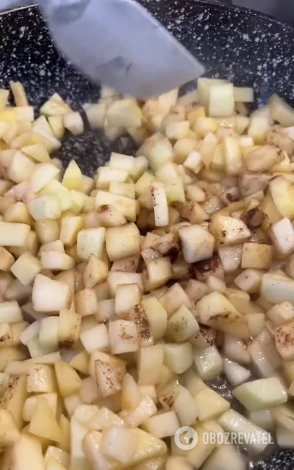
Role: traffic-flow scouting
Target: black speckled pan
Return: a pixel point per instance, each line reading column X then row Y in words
column 246, row 47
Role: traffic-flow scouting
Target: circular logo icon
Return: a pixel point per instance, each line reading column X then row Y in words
column 186, row 438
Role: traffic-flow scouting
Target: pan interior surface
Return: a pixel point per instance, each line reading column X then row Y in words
column 242, row 46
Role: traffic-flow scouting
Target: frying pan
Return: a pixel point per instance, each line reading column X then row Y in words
column 246, row 47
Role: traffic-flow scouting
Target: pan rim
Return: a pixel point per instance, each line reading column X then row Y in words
column 260, row 15
column 18, row 8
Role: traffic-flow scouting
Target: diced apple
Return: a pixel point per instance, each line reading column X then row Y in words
column 56, row 261
column 228, row 230
column 74, row 123
column 174, row 298
column 96, row 338
column 27, row 452
column 179, row 399
column 260, row 361
column 160, row 206
column 208, row 363
column 178, row 357
column 64, row 443
column 210, row 404
column 234, row 422
column 9, row 433
column 48, row 334
column 181, row 325
column 282, row 235
column 124, row 113
column 55, row 106
column 12, row 234
column 70, row 227
column 249, row 280
column 263, row 418
column 18, row 213
column 42, row 175
column 57, row 126
column 280, row 111
column 150, row 361
column 20, row 168
column 134, row 418
column 277, row 288
column 67, row 378
column 126, row 296
column 43, row 423
column 205, row 337
column 40, row 379
column 64, row 196
column 263, row 158
column 78, row 200
column 199, row 453
column 158, row 271
column 4, row 94
column 119, row 444
column 104, row 419
column 235, row 373
column 224, row 454
column 138, row 316
column 130, row 393
column 49, row 295
column 216, row 311
column 194, row 161
column 261, row 394
column 281, row 313
column 221, row 99
column 177, row 462
column 177, row 129
column 157, row 317
column 95, row 272
column 95, row 114
column 162, row 425
column 26, row 268
column 123, row 336
column 72, row 178
column 107, row 379
column 256, row 256
column 148, row 447
column 106, row 175
column 86, row 302
column 197, row 244
column 10, row 312
column 31, row 403
column 282, row 192
column 122, row 241
column 81, row 362
column 41, row 123
column 284, row 335
column 90, row 241
column 54, row 464
column 45, row 207
column 14, row 398
column 78, row 432
column 256, row 323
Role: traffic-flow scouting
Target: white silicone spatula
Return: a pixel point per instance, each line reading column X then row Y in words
column 118, row 43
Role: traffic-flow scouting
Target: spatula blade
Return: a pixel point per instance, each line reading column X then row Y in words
column 117, row 42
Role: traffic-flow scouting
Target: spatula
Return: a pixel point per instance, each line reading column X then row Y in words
column 118, row 43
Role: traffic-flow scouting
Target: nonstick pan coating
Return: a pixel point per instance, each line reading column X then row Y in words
column 246, row 47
